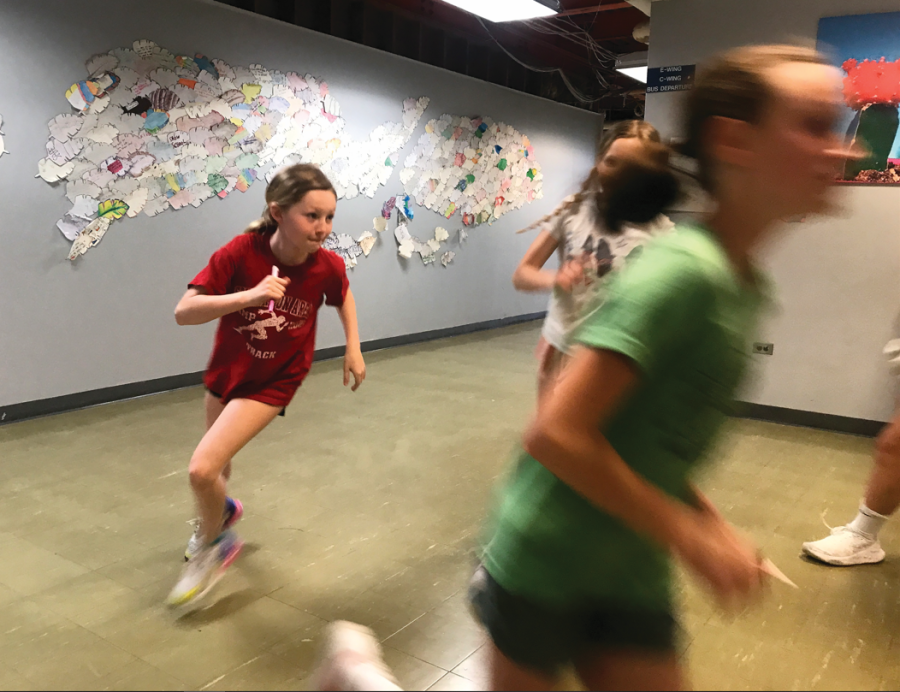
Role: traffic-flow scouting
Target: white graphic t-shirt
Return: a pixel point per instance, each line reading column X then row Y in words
column 582, row 234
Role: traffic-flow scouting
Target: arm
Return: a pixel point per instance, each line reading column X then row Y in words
column 566, row 437
column 198, row 307
column 353, row 360
column 700, row 502
column 529, row 275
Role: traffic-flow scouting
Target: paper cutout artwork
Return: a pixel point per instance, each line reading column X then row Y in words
column 2, row 144
column 473, row 166
column 91, row 235
column 366, row 241
column 407, row 243
column 404, row 241
column 769, row 568
column 155, row 131
column 343, row 245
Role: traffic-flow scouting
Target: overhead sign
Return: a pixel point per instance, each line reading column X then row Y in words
column 674, row 78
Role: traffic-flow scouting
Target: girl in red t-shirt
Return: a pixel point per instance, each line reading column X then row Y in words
column 263, row 347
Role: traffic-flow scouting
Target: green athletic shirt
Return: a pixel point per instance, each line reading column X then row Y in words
column 683, row 315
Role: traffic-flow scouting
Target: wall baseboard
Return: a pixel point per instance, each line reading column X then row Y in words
column 809, row 419
column 106, row 395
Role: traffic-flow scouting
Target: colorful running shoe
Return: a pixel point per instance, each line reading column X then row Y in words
column 234, row 510
column 204, row 570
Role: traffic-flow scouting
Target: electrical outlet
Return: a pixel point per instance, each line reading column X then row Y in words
column 763, row 349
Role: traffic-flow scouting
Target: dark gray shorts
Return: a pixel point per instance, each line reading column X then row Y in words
column 534, row 636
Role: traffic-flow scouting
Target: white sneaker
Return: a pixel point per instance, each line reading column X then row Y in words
column 234, row 510
column 350, row 659
column 845, row 547
column 204, row 570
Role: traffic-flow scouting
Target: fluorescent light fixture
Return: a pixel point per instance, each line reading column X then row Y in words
column 504, row 10
column 638, row 73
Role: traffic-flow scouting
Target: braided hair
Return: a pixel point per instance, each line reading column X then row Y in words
column 590, row 188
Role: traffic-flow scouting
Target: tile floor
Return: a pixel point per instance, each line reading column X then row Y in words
column 368, row 507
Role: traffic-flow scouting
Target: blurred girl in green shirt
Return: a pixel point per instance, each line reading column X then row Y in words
column 577, row 565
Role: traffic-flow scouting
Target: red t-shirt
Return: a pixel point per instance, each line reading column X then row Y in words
column 264, row 355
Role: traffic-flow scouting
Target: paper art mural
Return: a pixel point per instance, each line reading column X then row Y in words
column 867, row 48
column 154, row 131
column 407, row 244
column 473, row 166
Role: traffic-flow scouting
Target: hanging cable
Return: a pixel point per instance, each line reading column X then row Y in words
column 575, row 33
column 545, row 70
column 604, row 58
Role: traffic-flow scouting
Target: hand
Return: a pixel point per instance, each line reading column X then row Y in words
column 569, row 275
column 354, row 364
column 270, row 288
column 703, row 504
column 729, row 564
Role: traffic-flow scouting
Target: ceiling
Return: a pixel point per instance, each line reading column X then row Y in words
column 569, row 58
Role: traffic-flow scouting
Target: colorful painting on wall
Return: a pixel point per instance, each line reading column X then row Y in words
column 867, row 48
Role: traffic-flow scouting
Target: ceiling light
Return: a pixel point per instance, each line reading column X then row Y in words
column 638, row 73
column 504, row 10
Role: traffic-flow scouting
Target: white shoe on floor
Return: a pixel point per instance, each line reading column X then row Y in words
column 350, row 659
column 845, row 547
column 204, row 570
column 234, row 510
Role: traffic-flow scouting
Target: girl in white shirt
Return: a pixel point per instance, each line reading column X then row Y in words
column 591, row 240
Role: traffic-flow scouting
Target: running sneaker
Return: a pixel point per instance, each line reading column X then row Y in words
column 204, row 570
column 845, row 547
column 350, row 659
column 234, row 510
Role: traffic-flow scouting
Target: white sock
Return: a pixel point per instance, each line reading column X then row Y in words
column 365, row 677
column 867, row 521
column 350, row 660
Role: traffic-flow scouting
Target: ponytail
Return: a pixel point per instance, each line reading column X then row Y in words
column 264, row 225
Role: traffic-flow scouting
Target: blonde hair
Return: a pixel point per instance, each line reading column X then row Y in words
column 286, row 189
column 734, row 85
column 626, row 129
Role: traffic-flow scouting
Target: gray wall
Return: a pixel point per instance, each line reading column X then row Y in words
column 107, row 319
column 838, row 279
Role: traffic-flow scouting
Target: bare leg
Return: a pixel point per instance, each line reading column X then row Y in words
column 503, row 674
column 214, row 408
column 549, row 365
column 630, row 670
column 238, row 423
column 883, row 491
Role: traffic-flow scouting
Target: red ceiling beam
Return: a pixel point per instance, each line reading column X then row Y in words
column 593, row 10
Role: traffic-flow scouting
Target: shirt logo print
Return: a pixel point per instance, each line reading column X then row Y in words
column 259, row 328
